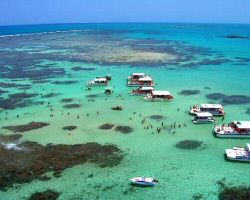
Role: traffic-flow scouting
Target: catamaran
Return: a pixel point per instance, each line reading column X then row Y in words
column 145, row 81
column 214, row 109
column 203, row 118
column 241, row 154
column 159, row 96
column 136, row 76
column 97, row 82
column 142, row 91
column 236, row 129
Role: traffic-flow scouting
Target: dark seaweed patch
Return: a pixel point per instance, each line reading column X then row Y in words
column 67, row 100
column 215, row 96
column 34, row 160
column 207, row 88
column 189, row 92
column 229, row 99
column 189, row 144
column 12, row 85
column 82, row 69
column 92, row 95
column 234, row 193
column 157, row 117
column 73, row 105
column 64, row 82
column 22, row 95
column 50, row 95
column 2, row 92
column 248, row 111
column 69, row 128
column 236, row 37
column 46, row 195
column 124, row 129
column 26, row 127
column 236, row 99
column 106, row 126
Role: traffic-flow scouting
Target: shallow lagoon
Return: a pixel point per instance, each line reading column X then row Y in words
column 201, row 59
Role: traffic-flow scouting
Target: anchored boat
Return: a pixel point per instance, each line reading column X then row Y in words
column 136, row 76
column 236, row 129
column 241, row 154
column 214, row 109
column 203, row 118
column 142, row 91
column 144, row 181
column 97, row 82
column 145, row 81
column 159, row 96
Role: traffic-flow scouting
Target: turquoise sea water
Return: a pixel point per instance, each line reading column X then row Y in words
column 204, row 59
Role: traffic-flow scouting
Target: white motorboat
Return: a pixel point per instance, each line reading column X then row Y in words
column 214, row 109
column 142, row 91
column 159, row 96
column 144, row 181
column 241, row 154
column 203, row 118
column 141, row 82
column 97, row 82
column 236, row 129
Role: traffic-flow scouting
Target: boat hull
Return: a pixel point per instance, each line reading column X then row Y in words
column 192, row 112
column 202, row 122
column 144, row 184
column 232, row 135
column 139, row 85
column 237, row 159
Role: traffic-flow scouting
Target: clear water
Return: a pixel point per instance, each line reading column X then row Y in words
column 182, row 173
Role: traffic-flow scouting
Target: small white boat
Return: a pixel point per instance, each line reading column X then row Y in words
column 236, row 129
column 141, row 82
column 142, row 91
column 97, row 82
column 159, row 96
column 203, row 118
column 214, row 109
column 239, row 154
column 144, row 181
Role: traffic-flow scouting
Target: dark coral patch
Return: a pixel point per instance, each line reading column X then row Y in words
column 64, row 82
column 189, row 144
column 73, row 105
column 236, row 99
column 2, row 92
column 124, row 129
column 82, row 69
column 237, row 37
column 233, row 193
column 69, row 128
column 189, row 92
column 157, row 117
column 67, row 100
column 106, row 126
column 229, row 99
column 32, row 160
column 215, row 96
column 92, row 95
column 248, row 111
column 26, row 127
column 22, row 95
column 50, row 95
column 46, row 195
